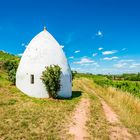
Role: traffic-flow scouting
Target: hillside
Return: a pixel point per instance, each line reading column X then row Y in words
column 6, row 56
column 96, row 110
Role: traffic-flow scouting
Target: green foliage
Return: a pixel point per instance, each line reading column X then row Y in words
column 126, row 82
column 74, row 73
column 11, row 67
column 11, row 64
column 6, row 56
column 78, row 75
column 129, row 86
column 12, row 76
column 125, row 76
column 51, row 80
column 131, row 77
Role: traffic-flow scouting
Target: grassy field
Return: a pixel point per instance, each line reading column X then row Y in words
column 126, row 105
column 28, row 118
column 133, row 87
column 6, row 56
column 23, row 117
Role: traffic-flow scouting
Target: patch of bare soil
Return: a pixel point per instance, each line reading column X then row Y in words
column 117, row 130
column 77, row 128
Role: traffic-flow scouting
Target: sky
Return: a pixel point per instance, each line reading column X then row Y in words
column 98, row 36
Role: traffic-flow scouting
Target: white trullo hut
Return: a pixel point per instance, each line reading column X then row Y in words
column 42, row 51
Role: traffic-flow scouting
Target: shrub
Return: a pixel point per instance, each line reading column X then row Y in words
column 73, row 74
column 51, row 79
column 11, row 67
column 12, row 76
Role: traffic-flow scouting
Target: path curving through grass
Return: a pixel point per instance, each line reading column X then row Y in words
column 78, row 126
column 116, row 129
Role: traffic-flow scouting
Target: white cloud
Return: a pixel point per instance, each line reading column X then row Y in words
column 111, row 58
column 135, row 65
column 76, row 69
column 91, row 64
column 120, row 65
column 77, row 51
column 132, row 66
column 100, row 49
column 20, row 54
column 128, row 63
column 62, row 46
column 71, row 57
column 84, row 61
column 22, row 44
column 123, row 49
column 69, row 38
column 127, row 60
column 99, row 33
column 109, row 52
column 94, row 54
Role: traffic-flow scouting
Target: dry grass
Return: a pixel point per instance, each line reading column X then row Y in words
column 97, row 124
column 126, row 105
column 22, row 117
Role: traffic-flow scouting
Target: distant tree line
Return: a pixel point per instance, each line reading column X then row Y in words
column 125, row 76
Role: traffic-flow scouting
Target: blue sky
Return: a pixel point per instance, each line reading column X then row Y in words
column 99, row 36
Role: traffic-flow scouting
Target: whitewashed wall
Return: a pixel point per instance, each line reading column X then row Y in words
column 43, row 50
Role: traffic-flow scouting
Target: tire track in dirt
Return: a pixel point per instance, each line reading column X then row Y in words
column 116, row 130
column 77, row 128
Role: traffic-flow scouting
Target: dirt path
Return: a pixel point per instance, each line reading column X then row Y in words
column 116, row 130
column 77, row 128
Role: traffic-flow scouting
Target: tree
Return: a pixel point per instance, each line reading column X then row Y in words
column 11, row 67
column 51, row 79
